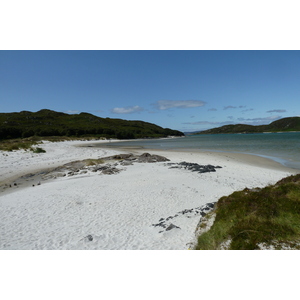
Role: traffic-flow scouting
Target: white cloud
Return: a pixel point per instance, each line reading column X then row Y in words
column 276, row 111
column 166, row 104
column 259, row 121
column 254, row 121
column 127, row 110
column 230, row 106
column 209, row 123
column 72, row 112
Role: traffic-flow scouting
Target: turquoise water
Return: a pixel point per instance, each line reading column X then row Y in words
column 281, row 147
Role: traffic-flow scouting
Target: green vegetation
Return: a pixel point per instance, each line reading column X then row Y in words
column 46, row 123
column 268, row 216
column 27, row 143
column 16, row 144
column 38, row 150
column 94, row 162
column 282, row 125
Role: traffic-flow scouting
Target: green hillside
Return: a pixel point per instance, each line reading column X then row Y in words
column 285, row 124
column 50, row 123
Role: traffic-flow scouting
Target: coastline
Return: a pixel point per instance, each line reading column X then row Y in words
column 244, row 158
column 96, row 211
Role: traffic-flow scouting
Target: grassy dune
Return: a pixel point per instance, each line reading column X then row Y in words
column 257, row 218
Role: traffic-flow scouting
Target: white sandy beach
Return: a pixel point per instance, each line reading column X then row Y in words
column 97, row 211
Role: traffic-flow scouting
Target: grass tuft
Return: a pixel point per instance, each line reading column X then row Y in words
column 94, row 162
column 38, row 150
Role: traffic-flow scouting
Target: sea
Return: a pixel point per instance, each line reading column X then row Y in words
column 282, row 147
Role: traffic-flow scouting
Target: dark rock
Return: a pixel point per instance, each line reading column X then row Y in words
column 89, row 238
column 195, row 167
column 120, row 156
column 126, row 163
column 159, row 158
column 110, row 171
column 148, row 158
column 172, row 226
column 161, row 224
column 145, row 155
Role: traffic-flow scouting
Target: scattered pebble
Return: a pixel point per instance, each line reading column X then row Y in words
column 201, row 210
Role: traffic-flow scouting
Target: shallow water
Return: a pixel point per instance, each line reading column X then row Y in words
column 281, row 147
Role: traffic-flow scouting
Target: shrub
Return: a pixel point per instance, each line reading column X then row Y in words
column 38, row 150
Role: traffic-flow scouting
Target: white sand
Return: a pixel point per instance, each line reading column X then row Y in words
column 117, row 210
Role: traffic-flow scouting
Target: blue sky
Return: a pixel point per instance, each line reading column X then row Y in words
column 183, row 90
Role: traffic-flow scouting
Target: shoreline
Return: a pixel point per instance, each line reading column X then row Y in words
column 287, row 161
column 142, row 206
column 32, row 176
column 245, row 158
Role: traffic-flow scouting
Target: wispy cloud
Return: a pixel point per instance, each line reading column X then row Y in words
column 212, row 109
column 234, row 107
column 276, row 111
column 259, row 121
column 228, row 107
column 72, row 112
column 245, row 110
column 254, row 121
column 167, row 104
column 216, row 124
column 127, row 110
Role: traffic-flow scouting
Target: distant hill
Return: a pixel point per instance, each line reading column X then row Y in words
column 50, row 123
column 285, row 124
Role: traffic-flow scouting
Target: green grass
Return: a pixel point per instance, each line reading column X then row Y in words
column 17, row 144
column 28, row 143
column 38, row 150
column 270, row 215
column 94, row 162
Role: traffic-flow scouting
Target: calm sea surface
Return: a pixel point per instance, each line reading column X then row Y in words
column 281, row 147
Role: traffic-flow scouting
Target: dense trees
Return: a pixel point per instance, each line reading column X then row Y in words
column 51, row 123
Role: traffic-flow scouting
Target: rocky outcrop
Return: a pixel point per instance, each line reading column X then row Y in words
column 165, row 225
column 143, row 158
column 194, row 167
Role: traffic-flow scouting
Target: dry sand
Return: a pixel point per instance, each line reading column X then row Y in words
column 119, row 211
